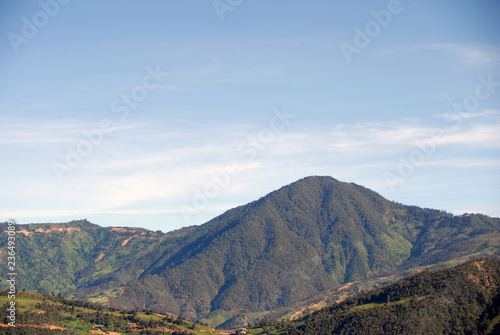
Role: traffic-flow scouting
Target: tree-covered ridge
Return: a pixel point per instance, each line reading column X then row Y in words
column 460, row 300
column 69, row 256
column 296, row 243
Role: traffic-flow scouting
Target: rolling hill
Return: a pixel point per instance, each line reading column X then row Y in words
column 39, row 313
column 462, row 300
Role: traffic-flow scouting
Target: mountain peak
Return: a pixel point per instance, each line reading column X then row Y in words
column 311, row 236
column 321, row 180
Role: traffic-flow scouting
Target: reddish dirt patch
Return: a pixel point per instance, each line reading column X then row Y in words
column 124, row 243
column 101, row 255
column 44, row 326
column 122, row 230
column 50, row 230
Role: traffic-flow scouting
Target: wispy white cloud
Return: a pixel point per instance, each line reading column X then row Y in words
column 41, row 132
column 462, row 162
column 468, row 115
column 477, row 56
column 474, row 55
column 376, row 139
column 480, row 135
column 138, row 171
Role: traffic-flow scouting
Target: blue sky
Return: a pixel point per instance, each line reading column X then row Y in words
column 164, row 114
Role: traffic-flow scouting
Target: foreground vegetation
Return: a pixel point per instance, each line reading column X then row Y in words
column 40, row 313
column 460, row 300
column 464, row 299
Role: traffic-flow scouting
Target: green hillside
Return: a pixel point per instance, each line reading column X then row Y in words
column 38, row 313
column 64, row 257
column 461, row 300
column 301, row 242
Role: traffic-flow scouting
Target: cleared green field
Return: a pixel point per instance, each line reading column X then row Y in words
column 41, row 311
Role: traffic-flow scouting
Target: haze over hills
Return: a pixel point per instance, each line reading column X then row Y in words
column 298, row 242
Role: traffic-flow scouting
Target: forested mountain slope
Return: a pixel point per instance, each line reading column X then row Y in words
column 461, row 300
column 63, row 257
column 307, row 237
column 300, row 240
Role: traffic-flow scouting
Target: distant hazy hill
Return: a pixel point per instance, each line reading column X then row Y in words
column 461, row 300
column 305, row 238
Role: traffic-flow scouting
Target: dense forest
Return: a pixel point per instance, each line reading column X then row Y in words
column 303, row 239
column 460, row 300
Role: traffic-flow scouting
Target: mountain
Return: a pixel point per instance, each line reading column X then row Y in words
column 462, row 300
column 296, row 243
column 67, row 256
column 300, row 240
